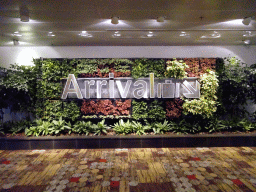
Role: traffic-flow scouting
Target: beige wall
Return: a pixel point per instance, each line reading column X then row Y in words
column 24, row 55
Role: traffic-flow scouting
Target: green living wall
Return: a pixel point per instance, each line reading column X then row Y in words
column 219, row 108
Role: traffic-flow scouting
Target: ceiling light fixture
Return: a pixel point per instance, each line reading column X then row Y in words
column 215, row 34
column 17, row 34
column 15, row 42
column 150, row 34
column 247, row 42
column 50, row 34
column 115, row 20
column 184, row 34
column 247, row 34
column 117, row 34
column 247, row 20
column 24, row 13
column 160, row 19
column 85, row 34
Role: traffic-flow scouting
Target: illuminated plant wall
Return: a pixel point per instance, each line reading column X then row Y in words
column 50, row 86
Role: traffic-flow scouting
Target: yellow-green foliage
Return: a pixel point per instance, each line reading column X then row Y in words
column 176, row 69
column 207, row 104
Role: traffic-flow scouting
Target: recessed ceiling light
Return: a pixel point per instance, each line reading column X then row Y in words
column 247, row 42
column 50, row 34
column 85, row 34
column 248, row 34
column 215, row 34
column 117, row 34
column 184, row 34
column 17, row 34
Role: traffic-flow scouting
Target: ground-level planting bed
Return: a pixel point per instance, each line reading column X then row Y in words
column 75, row 141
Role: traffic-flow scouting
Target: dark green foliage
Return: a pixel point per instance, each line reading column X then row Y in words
column 122, row 127
column 39, row 128
column 55, row 127
column 18, row 127
column 83, row 127
column 156, row 111
column 142, row 110
column 60, row 126
column 66, row 110
column 143, row 67
column 18, row 87
column 139, row 110
column 234, row 89
column 161, row 128
column 140, row 129
column 100, row 128
column 215, row 125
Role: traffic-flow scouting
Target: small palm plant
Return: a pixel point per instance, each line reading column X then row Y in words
column 60, row 125
column 140, row 129
column 100, row 128
column 161, row 128
column 123, row 127
column 83, row 127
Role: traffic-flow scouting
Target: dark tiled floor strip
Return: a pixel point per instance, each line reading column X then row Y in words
column 125, row 142
column 129, row 170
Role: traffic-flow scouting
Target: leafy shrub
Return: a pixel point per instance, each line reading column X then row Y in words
column 176, row 69
column 143, row 67
column 156, row 111
column 215, row 125
column 139, row 110
column 83, row 127
column 60, row 126
column 18, row 87
column 100, row 128
column 56, row 109
column 236, row 87
column 174, row 108
column 140, row 129
column 161, row 128
column 40, row 128
column 105, row 107
column 207, row 104
column 18, row 127
column 123, row 127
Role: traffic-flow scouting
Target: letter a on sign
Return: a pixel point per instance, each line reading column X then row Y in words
column 71, row 79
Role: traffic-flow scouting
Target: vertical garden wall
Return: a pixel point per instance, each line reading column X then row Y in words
column 224, row 91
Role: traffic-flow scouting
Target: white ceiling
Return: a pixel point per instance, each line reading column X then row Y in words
column 191, row 22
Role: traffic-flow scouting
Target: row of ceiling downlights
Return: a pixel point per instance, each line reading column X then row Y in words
column 215, row 34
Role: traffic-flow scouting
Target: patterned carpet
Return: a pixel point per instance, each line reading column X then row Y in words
column 148, row 170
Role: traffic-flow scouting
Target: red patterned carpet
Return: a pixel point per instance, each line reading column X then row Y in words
column 149, row 170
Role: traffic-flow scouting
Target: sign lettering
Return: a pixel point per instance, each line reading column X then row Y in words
column 127, row 87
